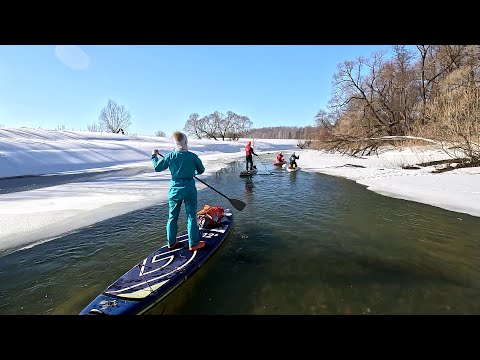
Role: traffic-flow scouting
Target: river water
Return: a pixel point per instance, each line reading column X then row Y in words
column 305, row 244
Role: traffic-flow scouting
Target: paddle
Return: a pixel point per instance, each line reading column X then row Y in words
column 237, row 204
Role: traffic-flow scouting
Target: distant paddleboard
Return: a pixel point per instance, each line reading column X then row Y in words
column 248, row 172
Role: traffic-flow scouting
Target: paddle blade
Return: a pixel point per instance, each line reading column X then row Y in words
column 237, row 204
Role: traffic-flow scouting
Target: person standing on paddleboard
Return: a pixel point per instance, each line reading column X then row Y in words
column 183, row 165
column 248, row 155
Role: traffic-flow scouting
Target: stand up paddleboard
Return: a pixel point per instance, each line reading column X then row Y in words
column 160, row 273
column 279, row 163
column 248, row 172
column 289, row 169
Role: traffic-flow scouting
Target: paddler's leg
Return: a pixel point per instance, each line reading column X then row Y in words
column 191, row 212
column 174, row 204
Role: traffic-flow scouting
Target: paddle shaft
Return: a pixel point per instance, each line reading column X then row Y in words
column 218, row 192
column 264, row 165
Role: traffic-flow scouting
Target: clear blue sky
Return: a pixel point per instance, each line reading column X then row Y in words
column 161, row 85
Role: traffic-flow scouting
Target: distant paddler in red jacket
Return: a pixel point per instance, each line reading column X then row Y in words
column 280, row 158
column 248, row 155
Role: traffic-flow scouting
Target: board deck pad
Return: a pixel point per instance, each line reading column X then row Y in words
column 156, row 276
column 248, row 172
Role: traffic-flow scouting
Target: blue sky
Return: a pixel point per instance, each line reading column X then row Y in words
column 161, row 85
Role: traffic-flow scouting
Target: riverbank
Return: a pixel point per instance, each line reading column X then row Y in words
column 457, row 190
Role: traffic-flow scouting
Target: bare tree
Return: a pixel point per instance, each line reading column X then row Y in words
column 353, row 91
column 324, row 126
column 455, row 115
column 362, row 95
column 114, row 117
column 194, row 126
column 226, row 123
column 241, row 127
column 436, row 61
column 235, row 126
column 212, row 125
column 404, row 91
column 216, row 125
column 306, row 136
column 160, row 133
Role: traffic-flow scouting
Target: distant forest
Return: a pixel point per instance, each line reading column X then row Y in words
column 282, row 132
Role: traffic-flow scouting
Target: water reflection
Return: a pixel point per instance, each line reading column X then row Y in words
column 249, row 185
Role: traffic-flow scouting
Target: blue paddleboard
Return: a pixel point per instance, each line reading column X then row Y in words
column 160, row 273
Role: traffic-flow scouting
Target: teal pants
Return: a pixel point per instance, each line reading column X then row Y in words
column 176, row 196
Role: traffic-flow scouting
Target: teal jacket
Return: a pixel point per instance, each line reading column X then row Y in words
column 183, row 165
